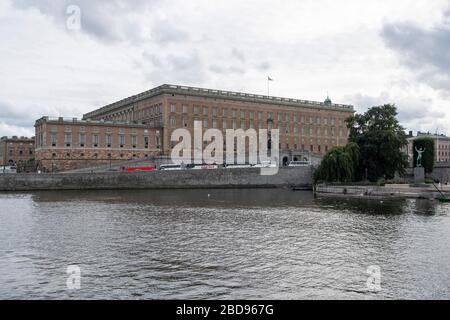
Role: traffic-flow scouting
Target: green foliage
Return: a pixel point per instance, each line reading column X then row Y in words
column 380, row 139
column 428, row 145
column 338, row 164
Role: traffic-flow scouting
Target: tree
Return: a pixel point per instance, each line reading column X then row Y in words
column 338, row 165
column 427, row 144
column 380, row 138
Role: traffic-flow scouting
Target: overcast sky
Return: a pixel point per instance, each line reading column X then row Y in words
column 363, row 52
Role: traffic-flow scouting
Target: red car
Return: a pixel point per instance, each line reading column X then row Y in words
column 133, row 169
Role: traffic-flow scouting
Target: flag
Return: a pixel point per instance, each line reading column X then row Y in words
column 269, row 79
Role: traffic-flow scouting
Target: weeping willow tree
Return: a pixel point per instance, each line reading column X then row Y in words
column 339, row 165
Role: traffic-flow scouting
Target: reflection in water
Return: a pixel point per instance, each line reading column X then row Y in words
column 249, row 244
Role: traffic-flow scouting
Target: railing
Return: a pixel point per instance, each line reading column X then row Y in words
column 212, row 92
column 111, row 122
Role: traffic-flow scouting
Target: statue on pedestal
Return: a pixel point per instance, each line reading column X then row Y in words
column 419, row 156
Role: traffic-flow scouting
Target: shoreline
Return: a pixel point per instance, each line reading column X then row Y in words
column 299, row 178
column 402, row 191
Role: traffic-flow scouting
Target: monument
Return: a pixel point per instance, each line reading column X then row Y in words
column 419, row 170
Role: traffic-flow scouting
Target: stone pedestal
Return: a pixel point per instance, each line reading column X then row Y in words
column 419, row 175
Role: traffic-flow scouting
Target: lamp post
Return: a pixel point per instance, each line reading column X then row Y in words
column 437, row 145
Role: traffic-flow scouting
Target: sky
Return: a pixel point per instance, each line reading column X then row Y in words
column 66, row 58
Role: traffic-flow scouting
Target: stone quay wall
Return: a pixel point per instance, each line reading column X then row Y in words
column 185, row 179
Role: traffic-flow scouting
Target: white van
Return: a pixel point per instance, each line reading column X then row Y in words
column 8, row 169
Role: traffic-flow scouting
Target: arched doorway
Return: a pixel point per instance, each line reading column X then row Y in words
column 285, row 161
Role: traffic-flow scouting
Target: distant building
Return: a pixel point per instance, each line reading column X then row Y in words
column 442, row 146
column 16, row 150
column 65, row 144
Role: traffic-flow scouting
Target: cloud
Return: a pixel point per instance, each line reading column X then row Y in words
column 164, row 32
column 238, row 54
column 414, row 112
column 126, row 47
column 110, row 20
column 181, row 68
column 22, row 119
column 12, row 130
column 425, row 51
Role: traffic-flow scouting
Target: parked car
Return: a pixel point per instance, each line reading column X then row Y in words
column 299, row 164
column 265, row 164
column 202, row 166
column 237, row 166
column 170, row 167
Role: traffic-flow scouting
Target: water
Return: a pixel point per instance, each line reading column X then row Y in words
column 234, row 244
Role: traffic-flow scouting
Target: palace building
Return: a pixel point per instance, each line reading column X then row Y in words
column 141, row 125
column 65, row 144
column 306, row 127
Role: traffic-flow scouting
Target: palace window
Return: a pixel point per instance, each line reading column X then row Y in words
column 95, row 140
column 109, row 140
column 121, row 140
column 173, row 121
column 196, row 109
column 54, row 139
column 68, row 139
column 82, row 139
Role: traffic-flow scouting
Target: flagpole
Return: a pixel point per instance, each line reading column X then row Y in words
column 268, row 87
